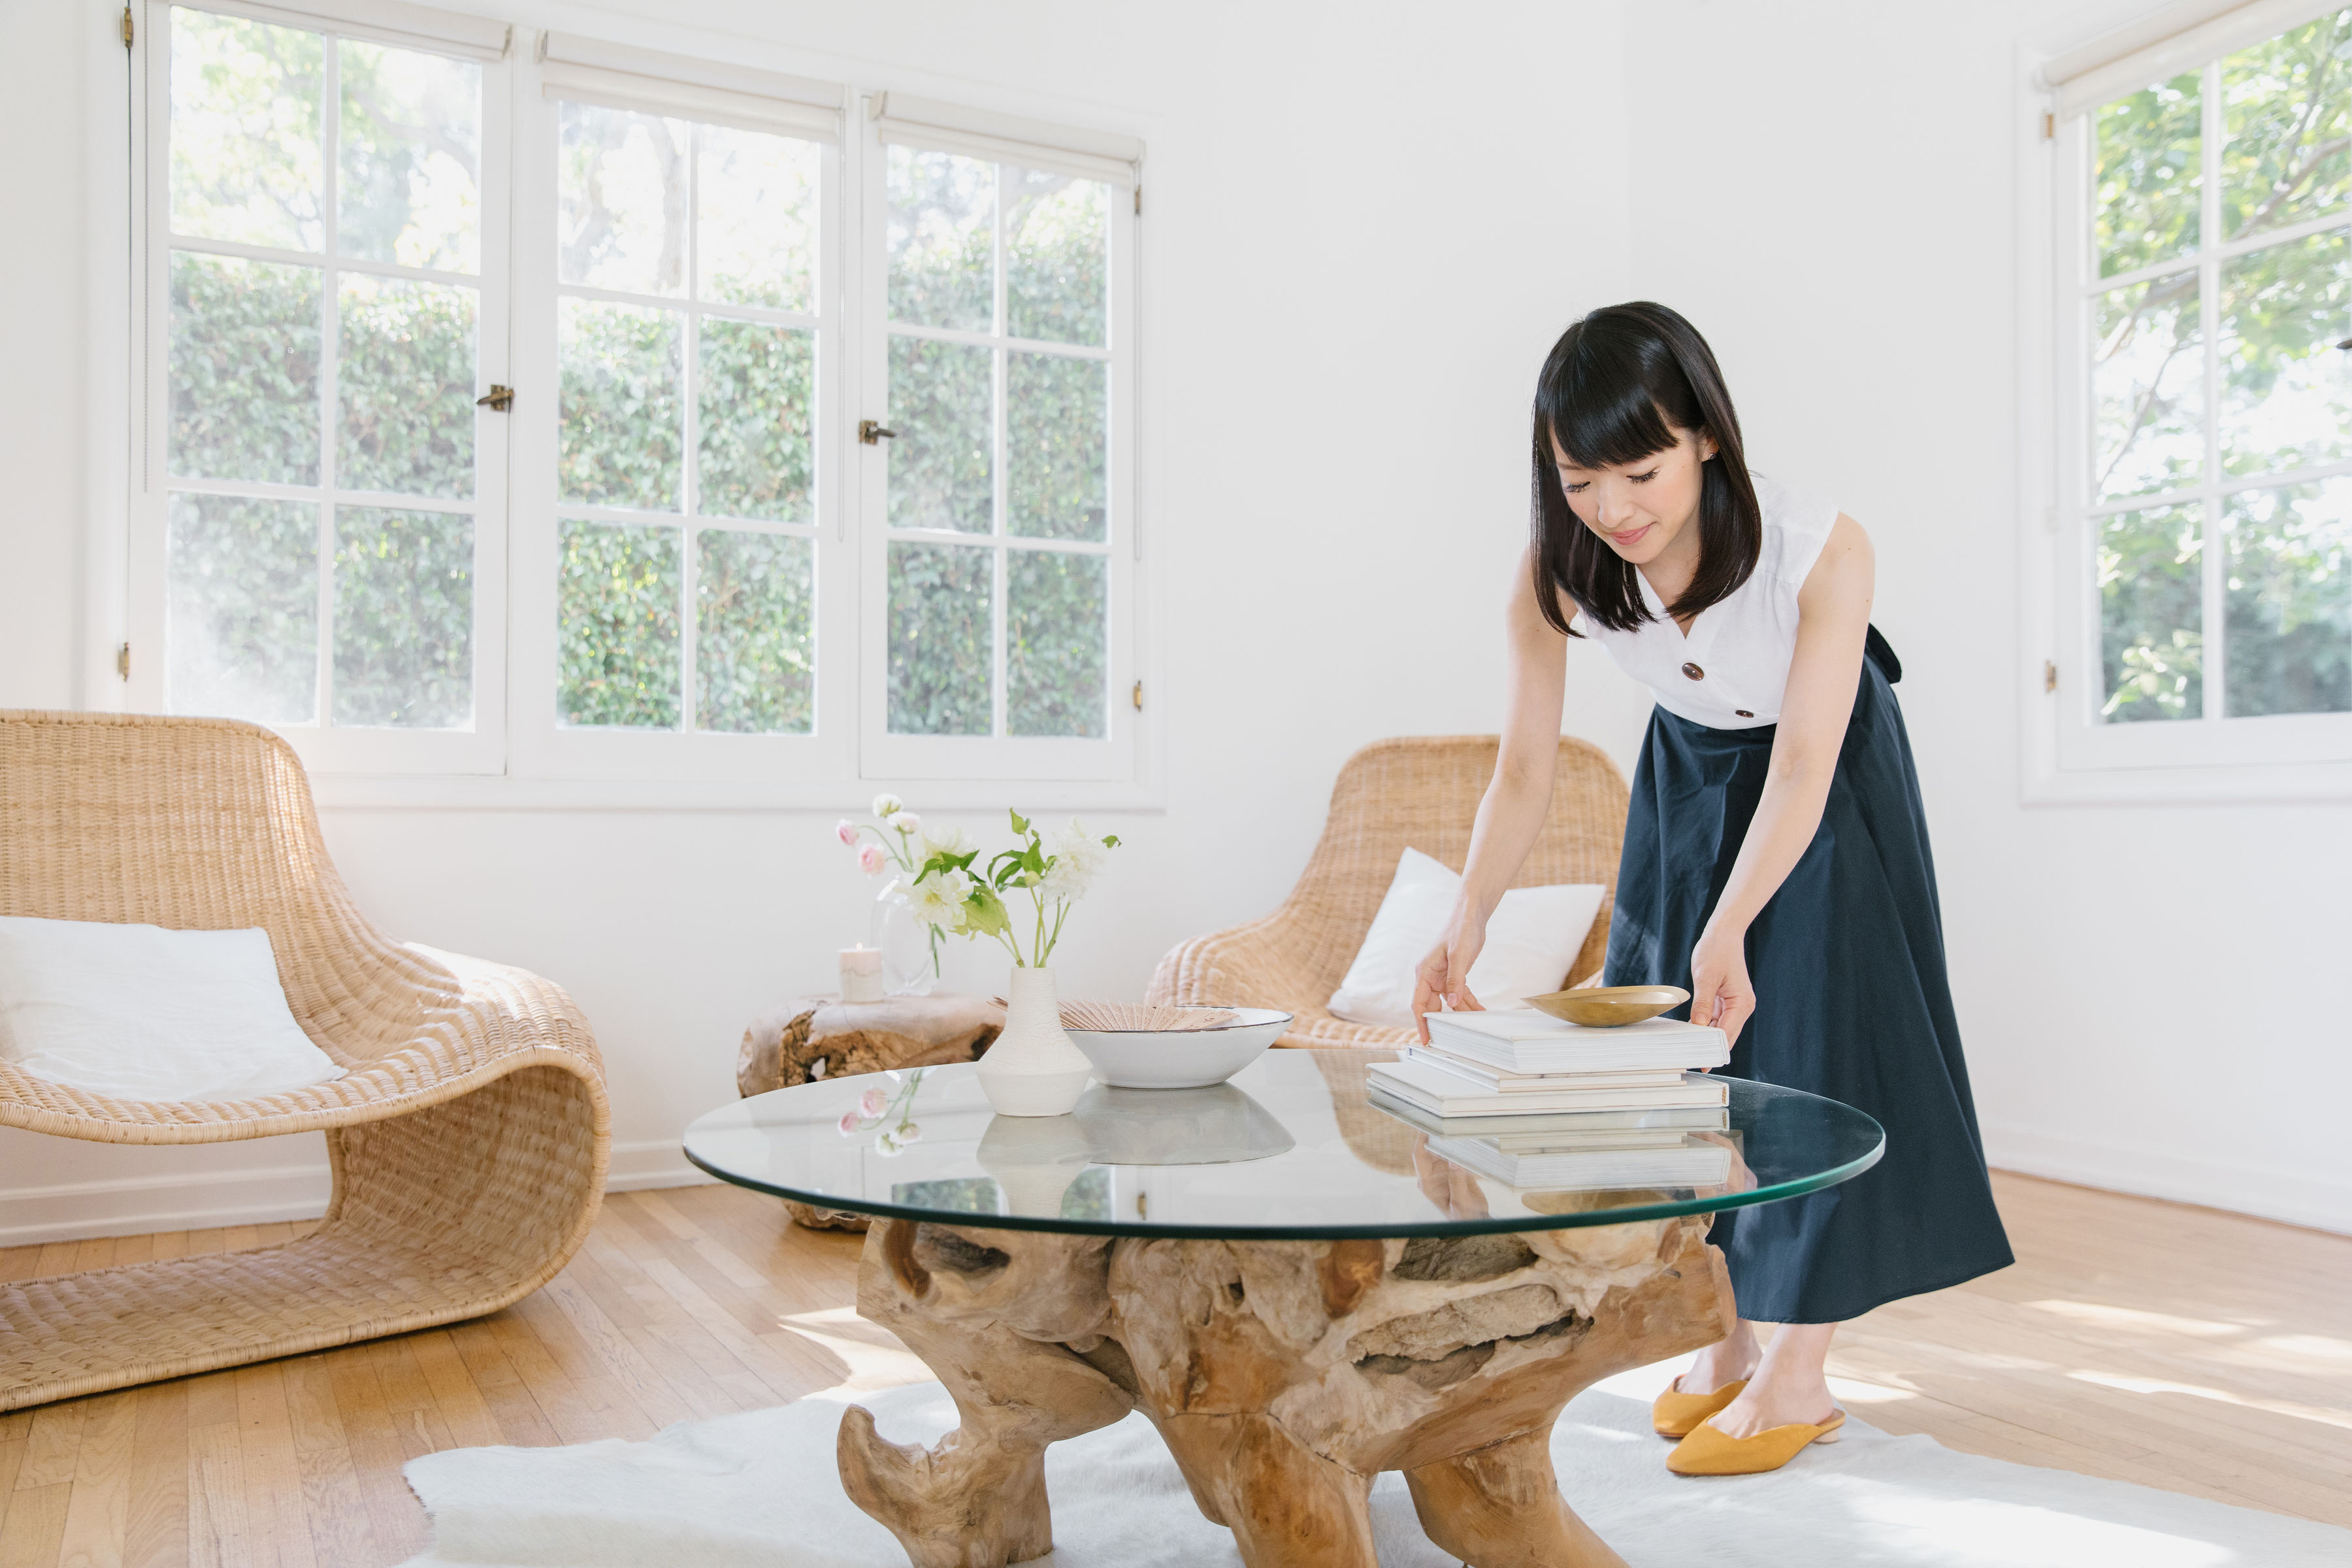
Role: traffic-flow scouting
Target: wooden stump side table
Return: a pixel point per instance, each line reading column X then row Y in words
column 1292, row 1317
column 818, row 1036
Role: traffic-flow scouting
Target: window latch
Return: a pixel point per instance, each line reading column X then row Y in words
column 871, row 434
column 498, row 399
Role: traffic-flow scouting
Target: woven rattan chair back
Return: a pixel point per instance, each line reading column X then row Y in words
column 202, row 824
column 1420, row 792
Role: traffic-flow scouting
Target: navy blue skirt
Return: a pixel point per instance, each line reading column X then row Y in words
column 1852, row 1002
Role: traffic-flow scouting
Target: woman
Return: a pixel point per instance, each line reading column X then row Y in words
column 1776, row 857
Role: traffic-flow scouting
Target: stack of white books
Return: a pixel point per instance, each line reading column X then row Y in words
column 1537, row 1102
column 1521, row 1062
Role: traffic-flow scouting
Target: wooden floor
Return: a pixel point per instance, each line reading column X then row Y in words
column 2175, row 1347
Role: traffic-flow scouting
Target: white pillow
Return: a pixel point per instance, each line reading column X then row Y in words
column 1534, row 934
column 136, row 1012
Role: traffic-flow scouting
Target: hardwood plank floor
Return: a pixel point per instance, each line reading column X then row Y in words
column 2175, row 1347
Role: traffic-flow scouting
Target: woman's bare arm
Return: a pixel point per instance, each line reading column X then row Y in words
column 1833, row 618
column 1518, row 798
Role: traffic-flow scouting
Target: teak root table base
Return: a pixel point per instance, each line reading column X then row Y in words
column 1283, row 1375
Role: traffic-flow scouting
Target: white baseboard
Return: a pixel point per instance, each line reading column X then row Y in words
column 202, row 1201
column 2297, row 1197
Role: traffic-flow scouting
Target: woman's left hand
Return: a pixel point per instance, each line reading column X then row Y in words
column 1721, row 993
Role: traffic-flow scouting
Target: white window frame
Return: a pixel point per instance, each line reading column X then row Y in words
column 322, row 745
column 518, row 757
column 2069, row 753
column 543, row 747
column 895, row 119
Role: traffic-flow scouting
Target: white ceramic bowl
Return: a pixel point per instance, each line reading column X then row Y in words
column 1180, row 1058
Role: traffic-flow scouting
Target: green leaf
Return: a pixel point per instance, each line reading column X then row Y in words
column 1020, row 823
column 1110, row 841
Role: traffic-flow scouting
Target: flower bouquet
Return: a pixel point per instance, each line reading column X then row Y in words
column 911, row 951
column 1032, row 1069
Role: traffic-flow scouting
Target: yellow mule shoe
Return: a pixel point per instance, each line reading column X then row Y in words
column 1707, row 1452
column 1674, row 1412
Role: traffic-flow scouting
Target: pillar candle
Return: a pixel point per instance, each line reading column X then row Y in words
column 861, row 973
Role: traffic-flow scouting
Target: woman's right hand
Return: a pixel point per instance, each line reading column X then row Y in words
column 1445, row 974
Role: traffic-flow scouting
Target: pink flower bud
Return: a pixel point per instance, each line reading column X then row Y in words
column 873, row 1102
column 871, row 859
column 848, row 1122
column 846, row 831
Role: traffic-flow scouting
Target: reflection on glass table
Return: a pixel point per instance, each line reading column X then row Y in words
column 1294, row 1147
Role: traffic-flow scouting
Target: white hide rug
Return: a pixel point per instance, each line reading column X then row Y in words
column 759, row 1489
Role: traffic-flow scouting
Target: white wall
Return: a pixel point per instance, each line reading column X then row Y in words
column 2145, row 990
column 1352, row 313
column 1827, row 190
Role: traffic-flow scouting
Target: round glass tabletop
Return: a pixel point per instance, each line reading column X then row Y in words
column 1293, row 1148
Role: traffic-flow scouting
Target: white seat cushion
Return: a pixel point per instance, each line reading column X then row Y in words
column 1534, row 934
column 137, row 1012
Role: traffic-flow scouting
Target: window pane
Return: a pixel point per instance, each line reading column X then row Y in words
column 405, row 379
column 1056, row 245
column 2147, row 382
column 2289, row 605
column 757, row 200
column 621, row 417
column 616, row 592
column 244, row 370
column 2287, row 103
column 2151, row 615
column 241, row 617
column 622, row 187
column 941, row 212
column 941, row 637
column 756, row 434
column 2150, row 176
column 404, row 619
column 245, row 131
column 407, row 153
column 1054, row 456
column 1055, row 612
column 940, row 474
column 2286, row 388
column 755, row 632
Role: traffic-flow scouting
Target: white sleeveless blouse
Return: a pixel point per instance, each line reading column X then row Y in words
column 1732, row 669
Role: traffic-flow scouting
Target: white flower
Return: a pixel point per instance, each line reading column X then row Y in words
column 939, row 899
column 903, row 822
column 886, row 1145
column 954, row 841
column 1078, row 857
column 887, row 805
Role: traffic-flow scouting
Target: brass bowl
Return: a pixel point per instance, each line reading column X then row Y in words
column 1608, row 1006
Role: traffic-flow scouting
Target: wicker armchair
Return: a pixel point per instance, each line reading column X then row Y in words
column 1421, row 793
column 468, row 1139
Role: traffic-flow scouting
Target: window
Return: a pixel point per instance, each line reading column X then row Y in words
column 662, row 550
column 2205, row 301
column 326, row 295
column 1003, row 529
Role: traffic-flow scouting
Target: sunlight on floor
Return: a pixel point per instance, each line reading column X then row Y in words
column 2158, row 1385
column 2108, row 1317
column 874, row 1356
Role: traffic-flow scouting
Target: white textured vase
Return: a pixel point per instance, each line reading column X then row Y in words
column 1032, row 1069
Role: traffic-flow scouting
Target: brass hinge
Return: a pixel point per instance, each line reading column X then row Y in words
column 2049, row 676
column 498, row 399
column 871, row 434
column 1138, row 694
column 122, row 661
column 2049, row 125
column 126, row 26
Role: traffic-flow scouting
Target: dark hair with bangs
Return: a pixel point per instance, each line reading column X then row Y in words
column 1614, row 390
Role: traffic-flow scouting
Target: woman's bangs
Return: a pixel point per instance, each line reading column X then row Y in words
column 1597, row 427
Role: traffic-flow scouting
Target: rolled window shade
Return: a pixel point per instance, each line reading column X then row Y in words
column 2176, row 38
column 381, row 22
column 589, row 70
column 913, row 121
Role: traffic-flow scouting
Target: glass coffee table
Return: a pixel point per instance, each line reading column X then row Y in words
column 1299, row 1282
